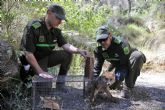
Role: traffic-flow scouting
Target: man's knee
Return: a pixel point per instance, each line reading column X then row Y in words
column 136, row 61
column 137, row 57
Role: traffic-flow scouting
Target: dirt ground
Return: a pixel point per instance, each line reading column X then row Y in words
column 148, row 94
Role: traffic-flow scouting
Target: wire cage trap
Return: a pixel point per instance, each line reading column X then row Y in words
column 46, row 96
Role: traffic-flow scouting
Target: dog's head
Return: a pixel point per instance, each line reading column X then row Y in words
column 108, row 78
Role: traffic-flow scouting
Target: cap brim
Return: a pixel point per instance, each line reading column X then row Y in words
column 102, row 36
column 60, row 17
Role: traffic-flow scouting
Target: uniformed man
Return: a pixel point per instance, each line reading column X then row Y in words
column 39, row 40
column 126, row 60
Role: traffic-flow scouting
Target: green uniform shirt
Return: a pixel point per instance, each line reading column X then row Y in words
column 117, row 54
column 39, row 40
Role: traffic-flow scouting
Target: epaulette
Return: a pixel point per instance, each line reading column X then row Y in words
column 117, row 40
column 36, row 25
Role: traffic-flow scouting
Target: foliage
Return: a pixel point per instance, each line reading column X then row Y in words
column 135, row 34
column 7, row 17
column 15, row 96
column 76, row 65
column 84, row 17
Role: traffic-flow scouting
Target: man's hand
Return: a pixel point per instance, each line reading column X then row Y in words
column 46, row 75
column 83, row 53
column 72, row 49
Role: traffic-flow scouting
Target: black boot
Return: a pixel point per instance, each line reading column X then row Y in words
column 126, row 92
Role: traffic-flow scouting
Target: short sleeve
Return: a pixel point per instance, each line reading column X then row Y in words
column 124, row 50
column 60, row 38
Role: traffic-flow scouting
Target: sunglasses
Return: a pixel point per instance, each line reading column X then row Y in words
column 57, row 17
column 102, row 40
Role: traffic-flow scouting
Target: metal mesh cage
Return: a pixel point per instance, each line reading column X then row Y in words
column 47, row 97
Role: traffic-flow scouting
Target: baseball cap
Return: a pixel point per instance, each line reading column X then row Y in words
column 102, row 33
column 58, row 11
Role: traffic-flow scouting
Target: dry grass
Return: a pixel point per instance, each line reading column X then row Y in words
column 155, row 61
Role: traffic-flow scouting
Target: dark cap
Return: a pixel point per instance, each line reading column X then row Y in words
column 102, row 32
column 58, row 11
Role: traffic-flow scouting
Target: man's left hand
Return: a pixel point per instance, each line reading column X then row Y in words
column 46, row 75
column 83, row 53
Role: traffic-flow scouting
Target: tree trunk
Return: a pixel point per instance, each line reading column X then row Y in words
column 129, row 3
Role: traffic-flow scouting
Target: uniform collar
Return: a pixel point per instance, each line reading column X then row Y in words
column 44, row 24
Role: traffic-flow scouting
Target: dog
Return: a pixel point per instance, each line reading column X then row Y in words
column 101, row 84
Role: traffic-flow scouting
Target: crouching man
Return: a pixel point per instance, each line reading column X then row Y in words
column 38, row 43
column 126, row 60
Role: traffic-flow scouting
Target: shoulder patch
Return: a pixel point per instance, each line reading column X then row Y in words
column 36, row 25
column 117, row 40
column 126, row 50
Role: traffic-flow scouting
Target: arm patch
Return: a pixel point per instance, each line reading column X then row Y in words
column 36, row 25
column 117, row 40
column 126, row 50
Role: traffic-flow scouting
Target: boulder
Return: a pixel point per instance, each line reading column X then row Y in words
column 8, row 62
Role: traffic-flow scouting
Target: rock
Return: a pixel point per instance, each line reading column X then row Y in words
column 8, row 61
column 155, row 42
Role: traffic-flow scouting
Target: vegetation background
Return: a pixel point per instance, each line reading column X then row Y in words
column 141, row 22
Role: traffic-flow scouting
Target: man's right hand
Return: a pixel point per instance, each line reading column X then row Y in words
column 46, row 75
column 33, row 62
